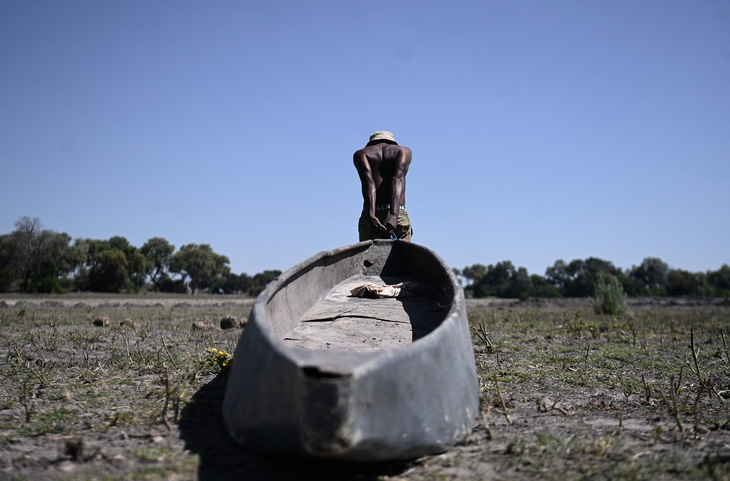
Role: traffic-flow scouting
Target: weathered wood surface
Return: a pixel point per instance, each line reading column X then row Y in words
column 342, row 322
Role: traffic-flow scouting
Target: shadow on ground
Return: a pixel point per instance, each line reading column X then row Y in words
column 201, row 428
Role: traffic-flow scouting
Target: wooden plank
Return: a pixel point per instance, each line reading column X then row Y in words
column 341, row 322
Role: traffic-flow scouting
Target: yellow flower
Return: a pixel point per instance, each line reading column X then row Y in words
column 219, row 357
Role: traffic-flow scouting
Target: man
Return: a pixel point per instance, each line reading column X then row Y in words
column 382, row 166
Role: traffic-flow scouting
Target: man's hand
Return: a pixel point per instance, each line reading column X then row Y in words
column 391, row 222
column 378, row 226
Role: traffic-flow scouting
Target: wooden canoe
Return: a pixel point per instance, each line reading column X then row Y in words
column 318, row 372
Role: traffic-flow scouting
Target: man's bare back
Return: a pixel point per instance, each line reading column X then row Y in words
column 382, row 166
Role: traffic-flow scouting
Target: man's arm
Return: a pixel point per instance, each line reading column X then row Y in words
column 400, row 169
column 368, row 188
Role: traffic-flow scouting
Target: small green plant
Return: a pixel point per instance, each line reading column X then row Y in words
column 483, row 335
column 22, row 312
column 609, row 297
column 725, row 351
column 153, row 452
column 218, row 358
column 576, row 324
column 53, row 422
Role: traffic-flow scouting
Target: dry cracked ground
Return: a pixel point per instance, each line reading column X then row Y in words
column 565, row 393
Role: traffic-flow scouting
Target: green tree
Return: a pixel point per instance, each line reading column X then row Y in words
column 651, row 275
column 36, row 258
column 262, row 279
column 520, row 284
column 578, row 278
column 109, row 273
column 503, row 280
column 201, row 265
column 558, row 276
column 238, row 284
column 220, row 274
column 54, row 260
column 81, row 274
column 584, row 274
column 93, row 249
column 685, row 283
column 25, row 246
column 165, row 283
column 157, row 250
column 9, row 274
column 102, row 271
column 495, row 281
column 472, row 275
column 719, row 281
column 137, row 269
column 541, row 287
column 90, row 250
column 119, row 243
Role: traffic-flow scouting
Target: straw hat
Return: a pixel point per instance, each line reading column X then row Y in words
column 382, row 135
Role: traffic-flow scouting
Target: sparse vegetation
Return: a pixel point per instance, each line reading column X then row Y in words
column 608, row 405
column 107, row 381
column 567, row 393
column 609, row 297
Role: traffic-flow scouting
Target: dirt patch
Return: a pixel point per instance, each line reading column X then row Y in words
column 566, row 393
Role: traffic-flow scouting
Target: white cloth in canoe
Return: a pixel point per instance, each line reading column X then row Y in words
column 374, row 291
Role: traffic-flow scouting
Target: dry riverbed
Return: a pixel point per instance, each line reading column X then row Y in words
column 566, row 393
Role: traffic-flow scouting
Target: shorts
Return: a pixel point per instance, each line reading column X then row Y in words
column 403, row 230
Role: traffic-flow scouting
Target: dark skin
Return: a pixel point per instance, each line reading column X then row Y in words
column 382, row 168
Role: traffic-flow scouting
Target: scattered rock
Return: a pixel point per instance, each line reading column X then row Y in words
column 118, row 459
column 101, row 321
column 205, row 326
column 74, row 447
column 230, row 322
column 66, row 466
column 3, row 304
column 129, row 323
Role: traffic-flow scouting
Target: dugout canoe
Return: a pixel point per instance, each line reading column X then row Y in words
column 318, row 372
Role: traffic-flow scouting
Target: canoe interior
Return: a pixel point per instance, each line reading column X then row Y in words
column 310, row 307
column 341, row 322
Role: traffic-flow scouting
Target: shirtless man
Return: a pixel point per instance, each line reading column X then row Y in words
column 382, row 166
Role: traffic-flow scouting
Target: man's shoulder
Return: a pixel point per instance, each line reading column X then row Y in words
column 385, row 152
column 368, row 152
column 405, row 149
column 400, row 149
column 360, row 156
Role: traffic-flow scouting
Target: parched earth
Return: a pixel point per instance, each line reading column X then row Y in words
column 566, row 394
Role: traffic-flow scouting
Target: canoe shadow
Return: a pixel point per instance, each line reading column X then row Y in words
column 202, row 430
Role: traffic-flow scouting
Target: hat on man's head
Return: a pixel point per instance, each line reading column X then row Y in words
column 382, row 136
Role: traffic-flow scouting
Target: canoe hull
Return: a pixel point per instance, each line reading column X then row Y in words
column 362, row 406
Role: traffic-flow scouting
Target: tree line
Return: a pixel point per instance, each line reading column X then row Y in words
column 578, row 278
column 38, row 260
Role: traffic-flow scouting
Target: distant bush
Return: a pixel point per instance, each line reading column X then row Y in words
column 609, row 297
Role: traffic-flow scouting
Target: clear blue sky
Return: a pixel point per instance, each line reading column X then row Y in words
column 540, row 130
